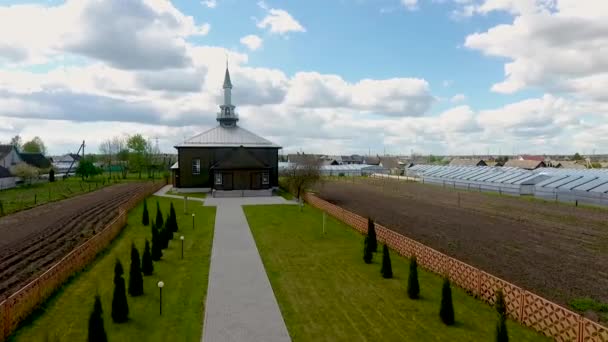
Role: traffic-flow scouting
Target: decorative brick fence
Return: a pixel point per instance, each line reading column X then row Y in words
column 523, row 306
column 19, row 305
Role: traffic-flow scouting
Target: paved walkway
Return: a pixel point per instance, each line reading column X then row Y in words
column 240, row 302
column 163, row 193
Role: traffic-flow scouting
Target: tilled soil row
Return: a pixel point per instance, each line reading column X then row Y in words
column 34, row 240
column 557, row 251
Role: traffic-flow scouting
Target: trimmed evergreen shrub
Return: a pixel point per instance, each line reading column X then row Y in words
column 145, row 219
column 157, row 252
column 368, row 255
column 169, row 228
column 502, row 335
column 500, row 305
column 52, row 176
column 120, row 307
column 413, row 287
column 163, row 237
column 97, row 332
column 387, row 269
column 447, row 307
column 173, row 218
column 371, row 232
column 136, row 280
column 147, row 266
column 159, row 216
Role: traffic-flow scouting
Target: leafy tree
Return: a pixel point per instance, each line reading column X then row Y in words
column 25, row 171
column 123, row 157
column 159, row 216
column 302, row 174
column 577, row 156
column 502, row 335
column 145, row 219
column 51, row 175
column 447, row 307
column 500, row 305
column 34, row 146
column 147, row 266
column 87, row 169
column 387, row 269
column 413, row 287
column 368, row 254
column 371, row 232
column 17, row 142
column 138, row 146
column 136, row 281
column 120, row 307
column 97, row 332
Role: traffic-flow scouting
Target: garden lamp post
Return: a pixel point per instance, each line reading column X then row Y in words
column 160, row 288
column 182, row 238
column 193, row 220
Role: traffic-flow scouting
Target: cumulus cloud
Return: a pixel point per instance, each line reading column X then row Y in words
column 280, row 22
column 458, row 98
column 128, row 34
column 556, row 45
column 209, row 3
column 252, row 42
column 410, row 5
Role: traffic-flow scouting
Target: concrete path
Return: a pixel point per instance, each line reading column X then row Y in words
column 240, row 304
column 163, row 193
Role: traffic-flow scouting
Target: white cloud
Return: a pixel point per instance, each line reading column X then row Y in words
column 209, row 3
column 280, row 21
column 410, row 5
column 458, row 98
column 252, row 42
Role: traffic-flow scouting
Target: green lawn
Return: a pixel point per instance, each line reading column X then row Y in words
column 327, row 293
column 28, row 196
column 65, row 316
column 190, row 194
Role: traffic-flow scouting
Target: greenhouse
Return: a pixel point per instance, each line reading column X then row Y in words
column 564, row 185
column 343, row 170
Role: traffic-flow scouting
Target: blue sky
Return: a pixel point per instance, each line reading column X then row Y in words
column 333, row 76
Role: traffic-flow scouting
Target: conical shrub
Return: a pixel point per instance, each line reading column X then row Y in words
column 371, row 232
column 136, row 280
column 145, row 219
column 157, row 252
column 502, row 335
column 387, row 269
column 413, row 288
column 97, row 332
column 447, row 307
column 173, row 219
column 120, row 307
column 159, row 216
column 147, row 266
column 368, row 255
column 500, row 305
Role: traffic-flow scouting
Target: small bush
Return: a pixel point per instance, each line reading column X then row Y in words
column 159, row 216
column 387, row 269
column 371, row 232
column 413, row 287
column 120, row 307
column 97, row 332
column 500, row 305
column 147, row 267
column 136, row 281
column 145, row 219
column 446, row 312
column 51, row 176
column 157, row 252
column 368, row 255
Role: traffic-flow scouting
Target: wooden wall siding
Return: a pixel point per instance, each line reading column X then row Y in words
column 18, row 306
column 523, row 306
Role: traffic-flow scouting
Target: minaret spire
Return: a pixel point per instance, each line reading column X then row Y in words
column 227, row 117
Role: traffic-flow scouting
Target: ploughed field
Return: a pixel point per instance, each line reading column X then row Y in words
column 31, row 241
column 555, row 250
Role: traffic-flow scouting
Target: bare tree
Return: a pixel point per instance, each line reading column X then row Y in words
column 302, row 174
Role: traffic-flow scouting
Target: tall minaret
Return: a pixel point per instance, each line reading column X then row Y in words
column 227, row 117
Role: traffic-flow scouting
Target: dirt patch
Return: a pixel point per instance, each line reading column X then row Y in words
column 555, row 250
column 33, row 240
